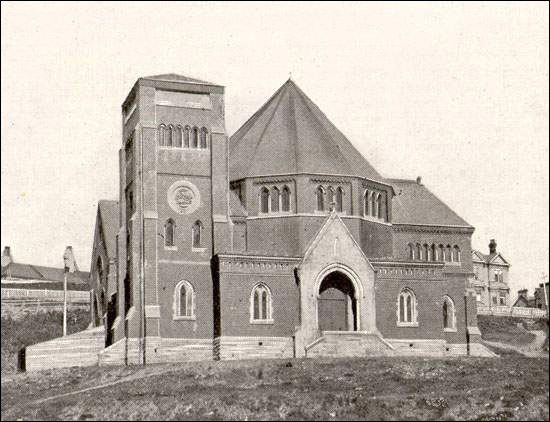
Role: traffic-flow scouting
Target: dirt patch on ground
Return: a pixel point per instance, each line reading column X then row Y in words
column 333, row 389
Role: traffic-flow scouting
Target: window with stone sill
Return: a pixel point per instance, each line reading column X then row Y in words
column 406, row 309
column 184, row 301
column 261, row 305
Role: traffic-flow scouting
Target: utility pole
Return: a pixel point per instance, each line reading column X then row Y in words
column 544, row 277
column 65, row 270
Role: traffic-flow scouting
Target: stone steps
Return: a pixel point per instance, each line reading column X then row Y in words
column 347, row 344
column 79, row 349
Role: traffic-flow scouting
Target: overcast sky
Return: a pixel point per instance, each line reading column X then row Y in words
column 454, row 92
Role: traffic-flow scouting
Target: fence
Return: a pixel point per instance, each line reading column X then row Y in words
column 514, row 311
column 74, row 296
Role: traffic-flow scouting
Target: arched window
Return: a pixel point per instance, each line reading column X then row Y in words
column 186, row 136
column 434, row 252
column 260, row 304
column 169, row 136
column 367, row 202
column 449, row 317
column 275, row 199
column 204, row 134
column 411, row 252
column 178, row 137
column 184, row 301
column 330, row 196
column 426, row 252
column 456, row 253
column 406, row 312
column 195, row 140
column 161, row 134
column 169, row 233
column 339, row 199
column 264, row 200
column 374, row 208
column 379, row 212
column 99, row 266
column 419, row 251
column 197, row 234
column 441, row 252
column 448, row 254
column 285, row 199
column 320, row 192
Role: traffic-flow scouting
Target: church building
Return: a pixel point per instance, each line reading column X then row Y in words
column 281, row 240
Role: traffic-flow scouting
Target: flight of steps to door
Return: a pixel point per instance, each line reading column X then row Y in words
column 80, row 349
column 348, row 344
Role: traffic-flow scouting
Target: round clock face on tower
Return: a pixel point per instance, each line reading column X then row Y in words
column 184, row 197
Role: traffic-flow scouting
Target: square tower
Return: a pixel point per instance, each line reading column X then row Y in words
column 173, row 210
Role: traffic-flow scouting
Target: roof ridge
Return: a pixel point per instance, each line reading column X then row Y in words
column 302, row 95
column 248, row 123
column 260, row 138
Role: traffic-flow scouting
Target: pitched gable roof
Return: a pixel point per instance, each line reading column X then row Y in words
column 413, row 203
column 42, row 273
column 177, row 78
column 492, row 258
column 290, row 134
column 108, row 214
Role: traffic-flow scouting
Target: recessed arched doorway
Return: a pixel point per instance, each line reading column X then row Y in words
column 336, row 303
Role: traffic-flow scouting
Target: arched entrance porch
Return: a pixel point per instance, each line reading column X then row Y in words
column 337, row 303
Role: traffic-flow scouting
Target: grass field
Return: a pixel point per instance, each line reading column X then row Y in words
column 512, row 387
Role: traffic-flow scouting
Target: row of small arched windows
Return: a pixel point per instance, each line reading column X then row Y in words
column 260, row 302
column 177, row 136
column 170, row 233
column 373, row 203
column 407, row 314
column 418, row 252
column 329, row 196
column 274, row 200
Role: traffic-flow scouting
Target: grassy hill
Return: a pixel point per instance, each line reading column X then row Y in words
column 34, row 327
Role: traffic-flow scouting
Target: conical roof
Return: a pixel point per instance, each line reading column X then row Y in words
column 290, row 134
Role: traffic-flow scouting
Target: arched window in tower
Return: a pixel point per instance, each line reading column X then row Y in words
column 379, row 201
column 178, row 136
column 456, row 253
column 261, row 304
column 285, row 199
column 366, row 199
column 448, row 254
column 320, row 192
column 441, row 252
column 169, row 233
column 197, row 234
column 330, row 197
column 426, row 252
column 169, row 138
column 275, row 199
column 406, row 312
column 204, row 135
column 264, row 200
column 186, row 136
column 374, row 204
column 419, row 254
column 411, row 251
column 161, row 135
column 184, row 301
column 449, row 316
column 195, row 140
column 339, row 199
column 434, row 252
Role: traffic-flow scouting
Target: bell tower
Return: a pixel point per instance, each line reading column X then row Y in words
column 173, row 209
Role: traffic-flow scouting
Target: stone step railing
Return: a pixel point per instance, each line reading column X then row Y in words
column 513, row 311
column 45, row 294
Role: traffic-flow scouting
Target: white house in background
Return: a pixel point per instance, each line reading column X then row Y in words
column 490, row 279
